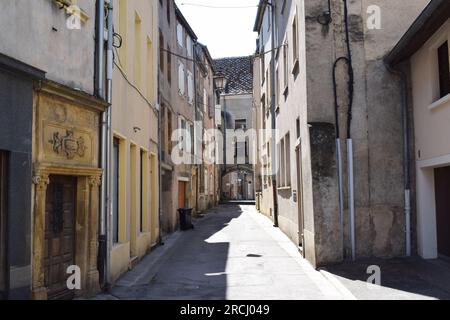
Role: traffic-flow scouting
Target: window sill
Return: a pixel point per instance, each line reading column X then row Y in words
column 440, row 103
column 284, row 188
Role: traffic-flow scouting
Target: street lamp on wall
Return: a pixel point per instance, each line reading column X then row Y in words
column 220, row 82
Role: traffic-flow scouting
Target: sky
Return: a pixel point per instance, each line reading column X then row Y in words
column 224, row 26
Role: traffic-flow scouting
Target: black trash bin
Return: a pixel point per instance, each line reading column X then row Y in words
column 185, row 219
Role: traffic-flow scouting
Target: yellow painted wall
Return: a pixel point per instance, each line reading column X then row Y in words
column 135, row 122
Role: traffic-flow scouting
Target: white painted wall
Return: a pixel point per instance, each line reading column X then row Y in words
column 432, row 132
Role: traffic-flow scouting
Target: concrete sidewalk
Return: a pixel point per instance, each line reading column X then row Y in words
column 233, row 253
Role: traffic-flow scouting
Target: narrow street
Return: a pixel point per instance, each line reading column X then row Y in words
column 233, row 253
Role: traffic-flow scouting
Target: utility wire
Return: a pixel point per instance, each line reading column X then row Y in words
column 119, row 66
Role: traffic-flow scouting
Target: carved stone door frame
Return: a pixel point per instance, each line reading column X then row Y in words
column 86, row 222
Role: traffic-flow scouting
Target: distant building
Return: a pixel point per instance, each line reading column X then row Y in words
column 236, row 101
column 423, row 55
column 185, row 87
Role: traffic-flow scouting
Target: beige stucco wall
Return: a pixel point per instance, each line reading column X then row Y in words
column 431, row 120
column 35, row 32
column 135, row 123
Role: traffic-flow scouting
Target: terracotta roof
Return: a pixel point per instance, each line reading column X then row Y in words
column 238, row 72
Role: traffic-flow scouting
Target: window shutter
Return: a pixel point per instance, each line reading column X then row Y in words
column 180, row 35
column 205, row 101
column 181, row 79
column 190, row 88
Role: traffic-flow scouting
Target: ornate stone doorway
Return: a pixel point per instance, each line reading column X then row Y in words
column 66, row 193
column 60, row 211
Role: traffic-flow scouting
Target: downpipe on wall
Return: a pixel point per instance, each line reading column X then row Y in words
column 351, row 195
column 350, row 164
column 109, row 88
column 406, row 155
column 105, row 128
column 273, row 116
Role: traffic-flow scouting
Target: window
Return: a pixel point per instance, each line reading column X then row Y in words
column 287, row 158
column 205, row 100
column 263, row 66
column 277, row 88
column 284, row 158
column 263, row 113
column 161, row 51
column 116, row 189
column 192, row 136
column 295, row 49
column 189, row 46
column 163, row 131
column 169, row 65
column 123, row 32
column 190, row 88
column 285, row 68
column 180, row 35
column 137, row 50
column 268, row 90
column 181, row 79
column 240, row 124
column 150, row 80
column 444, row 70
column 168, row 11
column 169, row 130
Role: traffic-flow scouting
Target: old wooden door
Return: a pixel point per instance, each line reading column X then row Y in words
column 442, row 181
column 59, row 235
column 181, row 194
column 3, row 246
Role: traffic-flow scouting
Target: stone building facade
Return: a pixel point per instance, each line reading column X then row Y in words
column 311, row 205
column 207, row 173
column 176, row 98
column 59, row 152
column 186, row 77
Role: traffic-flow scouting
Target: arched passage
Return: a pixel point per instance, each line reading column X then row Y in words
column 238, row 183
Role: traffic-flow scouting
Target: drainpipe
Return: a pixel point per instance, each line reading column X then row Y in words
column 273, row 116
column 196, row 118
column 350, row 169
column 99, row 91
column 339, row 148
column 406, row 155
column 109, row 97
